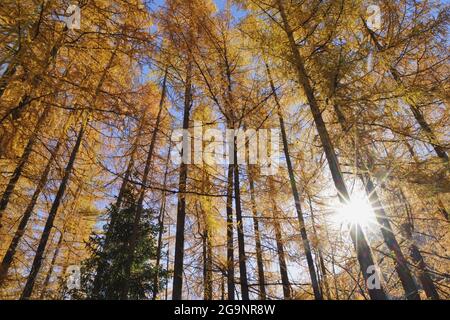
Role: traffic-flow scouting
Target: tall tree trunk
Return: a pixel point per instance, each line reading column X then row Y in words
column 230, row 242
column 319, row 253
column 417, row 258
column 401, row 264
column 298, row 208
column 259, row 258
column 140, row 204
column 280, row 251
column 177, row 287
column 60, row 240
column 161, row 218
column 52, row 264
column 8, row 258
column 207, row 265
column 240, row 229
column 38, row 258
column 363, row 250
column 207, row 245
column 22, row 162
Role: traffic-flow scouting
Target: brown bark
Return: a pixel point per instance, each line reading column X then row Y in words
column 52, row 264
column 295, row 194
column 177, row 286
column 324, row 282
column 280, row 251
column 417, row 258
column 161, row 218
column 230, row 242
column 140, row 208
column 259, row 258
column 38, row 259
column 22, row 162
column 240, row 229
column 8, row 258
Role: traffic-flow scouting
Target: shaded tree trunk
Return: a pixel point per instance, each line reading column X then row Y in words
column 280, row 251
column 8, row 258
column 38, row 259
column 295, row 194
column 52, row 264
column 140, row 204
column 230, row 242
column 177, row 286
column 417, row 258
column 161, row 218
column 320, row 255
column 207, row 265
column 259, row 258
column 22, row 162
column 401, row 264
column 240, row 229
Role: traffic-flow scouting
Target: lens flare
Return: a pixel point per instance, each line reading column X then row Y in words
column 356, row 211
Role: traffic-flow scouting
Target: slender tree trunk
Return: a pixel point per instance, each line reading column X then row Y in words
column 280, row 251
column 417, row 258
column 222, row 288
column 177, row 287
column 401, row 264
column 161, row 218
column 230, row 242
column 259, row 258
column 304, row 235
column 442, row 209
column 207, row 265
column 240, row 229
column 319, row 253
column 38, row 258
column 140, row 204
column 37, row 262
column 363, row 250
column 52, row 264
column 8, row 258
column 166, row 294
column 207, row 247
column 22, row 162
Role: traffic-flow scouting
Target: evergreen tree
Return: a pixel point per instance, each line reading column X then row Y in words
column 116, row 255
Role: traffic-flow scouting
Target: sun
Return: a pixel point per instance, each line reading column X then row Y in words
column 357, row 210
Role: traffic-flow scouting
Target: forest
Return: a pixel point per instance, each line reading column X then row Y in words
column 224, row 150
